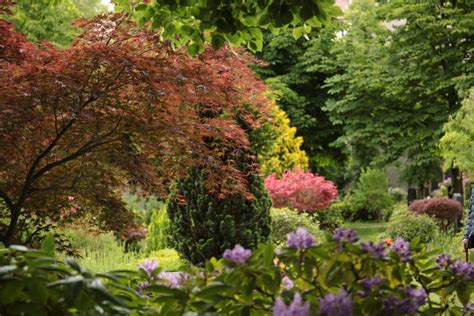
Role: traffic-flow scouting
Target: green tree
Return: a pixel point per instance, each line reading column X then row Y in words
column 457, row 143
column 296, row 70
column 51, row 20
column 46, row 20
column 239, row 22
column 205, row 225
column 399, row 81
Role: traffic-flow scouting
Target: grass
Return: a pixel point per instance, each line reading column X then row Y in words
column 102, row 252
column 367, row 230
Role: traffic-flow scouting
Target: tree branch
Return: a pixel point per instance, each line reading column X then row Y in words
column 6, row 198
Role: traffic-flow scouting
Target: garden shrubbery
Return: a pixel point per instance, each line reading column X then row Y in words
column 308, row 276
column 303, row 191
column 409, row 226
column 285, row 220
column 441, row 208
column 204, row 225
column 370, row 199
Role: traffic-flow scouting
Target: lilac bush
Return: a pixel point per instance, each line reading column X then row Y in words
column 300, row 239
column 296, row 308
column 336, row 304
column 238, row 254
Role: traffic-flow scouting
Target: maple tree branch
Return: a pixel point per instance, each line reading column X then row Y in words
column 80, row 152
column 4, row 196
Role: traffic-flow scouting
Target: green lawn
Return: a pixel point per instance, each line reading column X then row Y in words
column 367, row 230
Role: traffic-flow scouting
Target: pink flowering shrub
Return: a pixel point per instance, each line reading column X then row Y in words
column 301, row 190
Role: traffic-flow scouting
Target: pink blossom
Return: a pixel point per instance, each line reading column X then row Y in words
column 71, row 198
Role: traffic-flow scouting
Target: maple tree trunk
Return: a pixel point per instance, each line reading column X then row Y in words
column 15, row 214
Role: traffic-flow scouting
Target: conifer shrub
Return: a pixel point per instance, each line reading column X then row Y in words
column 203, row 226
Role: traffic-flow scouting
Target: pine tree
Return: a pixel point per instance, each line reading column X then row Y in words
column 205, row 225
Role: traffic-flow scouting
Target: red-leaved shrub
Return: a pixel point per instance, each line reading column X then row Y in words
column 303, row 191
column 441, row 208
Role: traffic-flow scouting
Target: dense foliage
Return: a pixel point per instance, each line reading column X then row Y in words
column 398, row 105
column 157, row 234
column 118, row 105
column 370, row 199
column 409, row 226
column 302, row 191
column 447, row 211
column 329, row 277
column 285, row 221
column 198, row 22
column 277, row 146
column 203, row 225
column 456, row 143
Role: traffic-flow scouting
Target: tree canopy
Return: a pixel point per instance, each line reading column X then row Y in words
column 457, row 143
column 196, row 22
column 117, row 106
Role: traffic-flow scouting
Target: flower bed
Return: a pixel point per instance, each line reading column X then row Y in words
column 338, row 276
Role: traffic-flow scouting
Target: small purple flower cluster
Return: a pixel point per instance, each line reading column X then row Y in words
column 239, row 254
column 336, row 304
column 463, row 269
column 149, row 266
column 377, row 251
column 300, row 239
column 296, row 308
column 402, row 249
column 174, row 278
column 415, row 298
column 345, row 235
column 468, row 310
column 443, row 260
column 287, row 283
column 369, row 283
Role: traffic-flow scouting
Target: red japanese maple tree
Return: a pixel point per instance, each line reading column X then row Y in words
column 117, row 106
column 303, row 191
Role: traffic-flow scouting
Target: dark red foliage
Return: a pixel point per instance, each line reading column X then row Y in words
column 118, row 106
column 441, row 208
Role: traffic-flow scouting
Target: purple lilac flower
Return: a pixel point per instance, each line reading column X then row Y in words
column 287, row 283
column 443, row 260
column 345, row 235
column 415, row 298
column 378, row 251
column 464, row 269
column 297, row 307
column 336, row 305
column 368, row 283
column 239, row 254
column 149, row 266
column 402, row 249
column 468, row 310
column 300, row 239
column 141, row 286
column 174, row 278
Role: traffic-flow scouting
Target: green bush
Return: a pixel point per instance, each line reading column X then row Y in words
column 370, row 199
column 398, row 195
column 285, row 220
column 157, row 235
column 207, row 225
column 332, row 217
column 405, row 224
